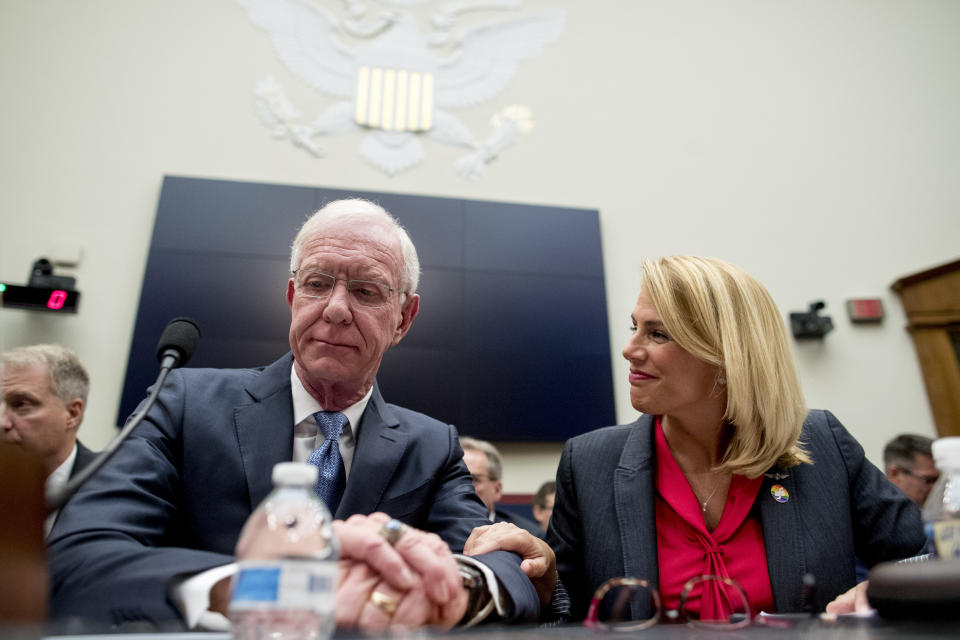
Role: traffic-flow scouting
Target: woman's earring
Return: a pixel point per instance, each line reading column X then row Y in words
column 721, row 379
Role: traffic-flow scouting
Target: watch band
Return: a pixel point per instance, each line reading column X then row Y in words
column 479, row 600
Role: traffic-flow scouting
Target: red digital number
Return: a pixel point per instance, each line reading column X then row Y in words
column 57, row 298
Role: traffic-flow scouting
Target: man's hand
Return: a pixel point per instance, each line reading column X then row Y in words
column 366, row 601
column 539, row 562
column 412, row 583
column 363, row 544
column 427, row 557
column 853, row 601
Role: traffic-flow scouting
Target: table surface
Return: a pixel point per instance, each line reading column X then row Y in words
column 846, row 628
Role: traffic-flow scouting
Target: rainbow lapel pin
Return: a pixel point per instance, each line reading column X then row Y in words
column 779, row 493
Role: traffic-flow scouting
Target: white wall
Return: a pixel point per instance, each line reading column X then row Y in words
column 815, row 143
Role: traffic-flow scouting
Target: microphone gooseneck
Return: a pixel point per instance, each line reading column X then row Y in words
column 177, row 344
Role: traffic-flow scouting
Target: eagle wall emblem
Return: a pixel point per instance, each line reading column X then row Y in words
column 394, row 84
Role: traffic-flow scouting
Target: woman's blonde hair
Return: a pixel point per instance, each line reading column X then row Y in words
column 720, row 314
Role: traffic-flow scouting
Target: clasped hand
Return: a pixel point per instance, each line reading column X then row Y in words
column 539, row 562
column 415, row 582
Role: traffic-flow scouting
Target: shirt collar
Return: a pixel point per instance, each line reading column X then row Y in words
column 60, row 475
column 305, row 405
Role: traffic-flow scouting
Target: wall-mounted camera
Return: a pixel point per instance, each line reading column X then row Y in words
column 41, row 276
column 44, row 291
column 810, row 324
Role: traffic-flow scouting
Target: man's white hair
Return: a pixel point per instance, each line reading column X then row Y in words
column 361, row 211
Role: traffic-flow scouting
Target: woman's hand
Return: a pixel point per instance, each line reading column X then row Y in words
column 539, row 562
column 853, row 601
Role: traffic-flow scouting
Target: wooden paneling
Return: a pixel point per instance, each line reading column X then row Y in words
column 941, row 373
column 931, row 300
column 934, row 301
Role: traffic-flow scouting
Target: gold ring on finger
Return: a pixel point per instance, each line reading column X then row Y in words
column 387, row 604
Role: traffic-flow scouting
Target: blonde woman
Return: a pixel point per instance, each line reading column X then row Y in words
column 726, row 473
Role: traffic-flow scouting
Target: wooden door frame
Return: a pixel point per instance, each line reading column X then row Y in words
column 931, row 300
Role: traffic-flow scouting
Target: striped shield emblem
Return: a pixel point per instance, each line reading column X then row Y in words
column 394, row 99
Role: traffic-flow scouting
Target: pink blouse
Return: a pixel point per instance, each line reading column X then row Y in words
column 685, row 549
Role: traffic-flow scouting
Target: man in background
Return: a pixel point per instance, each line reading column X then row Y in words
column 486, row 467
column 909, row 465
column 543, row 503
column 44, row 389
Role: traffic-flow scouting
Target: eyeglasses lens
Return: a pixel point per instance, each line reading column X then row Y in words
column 628, row 606
column 314, row 284
column 712, row 602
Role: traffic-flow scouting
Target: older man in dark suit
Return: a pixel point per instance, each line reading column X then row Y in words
column 161, row 521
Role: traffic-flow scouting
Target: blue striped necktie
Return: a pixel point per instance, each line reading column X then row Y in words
column 332, row 476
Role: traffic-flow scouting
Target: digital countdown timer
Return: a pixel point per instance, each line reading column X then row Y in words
column 39, row 298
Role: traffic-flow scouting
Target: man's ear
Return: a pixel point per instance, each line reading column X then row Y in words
column 290, row 291
column 409, row 311
column 74, row 413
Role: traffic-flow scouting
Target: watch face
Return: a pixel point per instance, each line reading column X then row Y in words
column 470, row 576
column 39, row 298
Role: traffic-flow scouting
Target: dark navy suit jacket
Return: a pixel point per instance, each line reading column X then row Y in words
column 173, row 499
column 502, row 515
column 84, row 457
column 839, row 508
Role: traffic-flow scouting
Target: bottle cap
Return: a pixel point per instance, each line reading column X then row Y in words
column 297, row 473
column 946, row 453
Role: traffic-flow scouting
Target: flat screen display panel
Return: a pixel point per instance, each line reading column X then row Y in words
column 511, row 342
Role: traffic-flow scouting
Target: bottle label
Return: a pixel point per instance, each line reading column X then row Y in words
column 296, row 584
column 946, row 536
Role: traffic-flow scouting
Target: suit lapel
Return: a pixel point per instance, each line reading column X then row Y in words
column 781, row 535
column 379, row 449
column 633, row 487
column 84, row 457
column 265, row 427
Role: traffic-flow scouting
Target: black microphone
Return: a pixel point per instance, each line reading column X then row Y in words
column 176, row 346
column 178, row 342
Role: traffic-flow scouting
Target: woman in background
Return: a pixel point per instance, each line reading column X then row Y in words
column 726, row 473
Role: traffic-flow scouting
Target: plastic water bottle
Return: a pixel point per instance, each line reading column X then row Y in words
column 941, row 511
column 285, row 588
